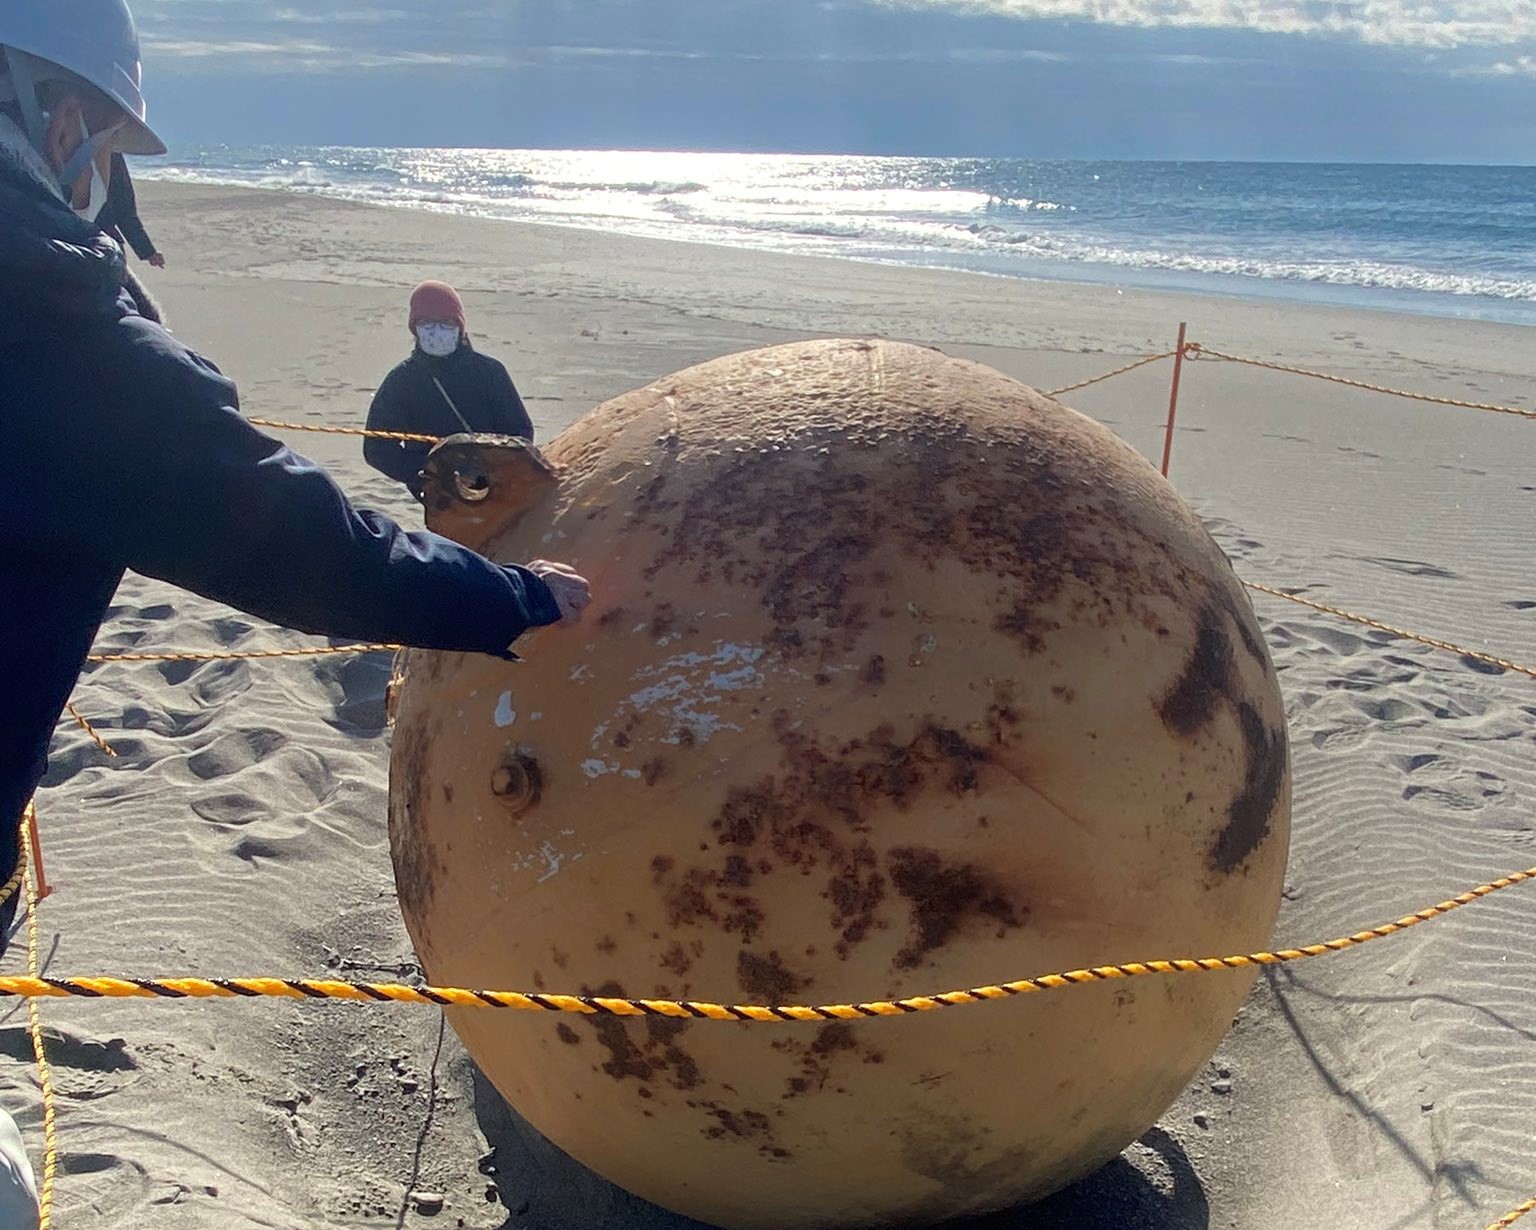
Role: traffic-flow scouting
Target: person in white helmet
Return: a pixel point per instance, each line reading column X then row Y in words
column 120, row 448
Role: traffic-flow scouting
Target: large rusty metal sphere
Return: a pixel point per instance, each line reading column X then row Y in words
column 901, row 677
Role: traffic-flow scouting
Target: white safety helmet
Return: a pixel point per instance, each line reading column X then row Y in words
column 94, row 40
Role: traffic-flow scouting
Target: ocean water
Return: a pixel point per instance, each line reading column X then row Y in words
column 1444, row 240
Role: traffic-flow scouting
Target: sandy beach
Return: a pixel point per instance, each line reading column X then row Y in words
column 241, row 829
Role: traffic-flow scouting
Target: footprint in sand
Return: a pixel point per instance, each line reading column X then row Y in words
column 1490, row 785
column 1376, row 674
column 1442, row 797
column 85, row 1070
column 1341, row 738
column 230, row 810
column 172, row 723
column 265, row 795
column 67, row 1050
column 234, row 752
column 1464, row 705
column 1410, row 567
column 1389, row 709
column 357, row 687
column 1333, row 639
column 227, row 630
column 161, row 611
column 219, row 682
column 68, row 761
column 175, row 673
column 95, row 1163
column 114, row 1188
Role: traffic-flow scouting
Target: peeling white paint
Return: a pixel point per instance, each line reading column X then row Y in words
column 580, row 672
column 546, row 858
column 648, row 698
column 553, row 860
column 725, row 653
column 505, row 714
column 734, row 681
column 675, row 691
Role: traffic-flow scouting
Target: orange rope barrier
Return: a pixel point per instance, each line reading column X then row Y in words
column 1196, row 351
column 1119, row 371
column 251, row 656
column 406, row 436
column 1514, row 1215
column 1403, row 633
column 35, row 893
column 91, row 730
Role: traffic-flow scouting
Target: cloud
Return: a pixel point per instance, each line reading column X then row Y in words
column 1520, row 66
column 1453, row 39
column 287, row 55
column 807, row 55
column 349, row 17
column 1439, row 24
column 564, row 51
column 329, row 36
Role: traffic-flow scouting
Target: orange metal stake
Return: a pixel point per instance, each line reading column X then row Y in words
column 44, row 889
column 1173, row 397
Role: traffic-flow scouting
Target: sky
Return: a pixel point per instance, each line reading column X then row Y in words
column 1295, row 80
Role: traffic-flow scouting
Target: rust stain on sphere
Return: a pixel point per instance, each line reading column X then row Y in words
column 901, row 677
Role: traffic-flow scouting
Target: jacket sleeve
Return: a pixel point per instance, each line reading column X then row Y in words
column 508, row 412
column 190, row 493
column 123, row 201
column 400, row 460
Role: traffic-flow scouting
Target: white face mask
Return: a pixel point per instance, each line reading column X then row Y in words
column 439, row 341
column 98, row 199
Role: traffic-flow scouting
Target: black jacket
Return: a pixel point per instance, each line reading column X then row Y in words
column 410, row 401
column 119, row 217
column 120, row 448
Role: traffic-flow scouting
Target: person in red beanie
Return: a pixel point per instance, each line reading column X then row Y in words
column 444, row 388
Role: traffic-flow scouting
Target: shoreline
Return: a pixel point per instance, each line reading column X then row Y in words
column 1142, row 316
column 1436, row 305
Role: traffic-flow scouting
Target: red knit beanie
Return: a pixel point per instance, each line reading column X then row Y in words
column 436, row 301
